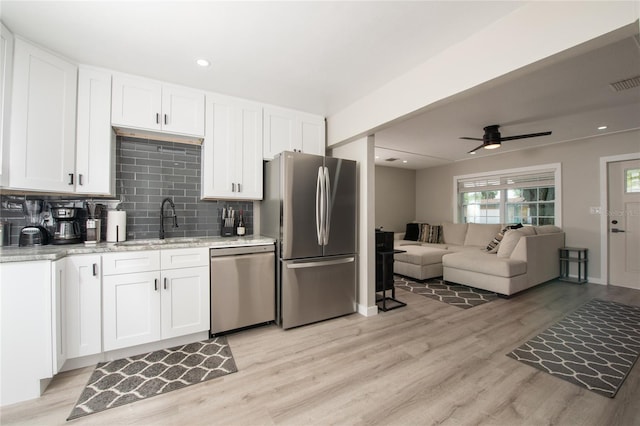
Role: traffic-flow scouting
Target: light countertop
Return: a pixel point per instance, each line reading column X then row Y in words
column 54, row 252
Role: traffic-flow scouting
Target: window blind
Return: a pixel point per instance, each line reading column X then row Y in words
column 521, row 180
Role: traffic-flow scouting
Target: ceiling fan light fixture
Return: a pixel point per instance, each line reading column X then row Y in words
column 492, row 145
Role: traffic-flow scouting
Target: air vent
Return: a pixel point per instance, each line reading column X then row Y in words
column 626, row 84
column 391, row 159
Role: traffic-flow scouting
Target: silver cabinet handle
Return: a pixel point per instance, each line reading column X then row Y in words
column 233, row 187
column 95, row 269
column 80, row 179
column 166, row 120
column 165, row 283
column 157, row 118
column 239, row 188
column 70, row 178
column 155, row 284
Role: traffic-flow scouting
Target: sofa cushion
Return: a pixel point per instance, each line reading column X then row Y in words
column 480, row 234
column 528, row 230
column 420, row 255
column 547, row 229
column 454, row 233
column 492, row 247
column 485, row 263
column 509, row 242
column 413, row 232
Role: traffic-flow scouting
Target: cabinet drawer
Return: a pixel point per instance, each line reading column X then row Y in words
column 128, row 262
column 184, row 258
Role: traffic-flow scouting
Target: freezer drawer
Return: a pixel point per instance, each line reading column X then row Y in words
column 242, row 288
column 316, row 289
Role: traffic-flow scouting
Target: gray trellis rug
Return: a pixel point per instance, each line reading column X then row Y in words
column 127, row 380
column 454, row 294
column 594, row 347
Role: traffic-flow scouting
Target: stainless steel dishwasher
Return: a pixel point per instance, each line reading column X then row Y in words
column 242, row 287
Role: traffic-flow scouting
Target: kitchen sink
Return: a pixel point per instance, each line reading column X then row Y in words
column 158, row 241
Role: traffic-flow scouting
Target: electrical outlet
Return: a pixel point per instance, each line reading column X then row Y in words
column 594, row 210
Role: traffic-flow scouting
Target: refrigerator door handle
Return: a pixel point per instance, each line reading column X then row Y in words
column 327, row 205
column 319, row 206
column 301, row 265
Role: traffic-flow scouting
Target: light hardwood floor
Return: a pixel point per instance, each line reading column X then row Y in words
column 427, row 363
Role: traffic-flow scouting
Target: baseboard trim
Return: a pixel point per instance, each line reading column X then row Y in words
column 368, row 311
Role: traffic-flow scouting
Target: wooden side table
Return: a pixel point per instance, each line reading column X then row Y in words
column 569, row 255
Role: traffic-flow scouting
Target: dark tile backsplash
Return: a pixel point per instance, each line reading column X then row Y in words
column 146, row 173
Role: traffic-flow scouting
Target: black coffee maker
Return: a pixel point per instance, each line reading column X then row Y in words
column 34, row 234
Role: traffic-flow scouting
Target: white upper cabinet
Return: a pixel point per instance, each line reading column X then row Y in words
column 140, row 103
column 43, row 121
column 6, row 72
column 288, row 130
column 95, row 140
column 232, row 149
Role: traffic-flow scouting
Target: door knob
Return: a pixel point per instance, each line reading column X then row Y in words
column 616, row 230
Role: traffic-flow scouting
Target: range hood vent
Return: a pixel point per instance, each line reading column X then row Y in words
column 155, row 136
column 626, row 84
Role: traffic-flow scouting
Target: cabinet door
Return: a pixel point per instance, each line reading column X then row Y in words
column 83, row 300
column 59, row 314
column 131, row 304
column 182, row 111
column 42, row 121
column 232, row 149
column 136, row 102
column 281, row 132
column 185, row 301
column 95, row 139
column 6, row 72
column 313, row 134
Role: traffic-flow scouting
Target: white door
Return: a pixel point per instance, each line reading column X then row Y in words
column 83, row 294
column 131, row 304
column 624, row 223
column 185, row 301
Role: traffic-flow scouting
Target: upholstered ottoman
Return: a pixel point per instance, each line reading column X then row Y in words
column 419, row 262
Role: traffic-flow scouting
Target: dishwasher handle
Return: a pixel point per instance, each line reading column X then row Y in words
column 233, row 251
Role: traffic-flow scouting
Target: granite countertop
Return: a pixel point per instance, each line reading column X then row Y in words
column 54, row 252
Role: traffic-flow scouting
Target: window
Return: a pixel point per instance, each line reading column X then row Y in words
column 632, row 180
column 528, row 196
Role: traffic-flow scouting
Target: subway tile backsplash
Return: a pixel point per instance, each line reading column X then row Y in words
column 148, row 171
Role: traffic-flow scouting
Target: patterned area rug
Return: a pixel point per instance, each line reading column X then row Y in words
column 451, row 293
column 126, row 380
column 594, row 347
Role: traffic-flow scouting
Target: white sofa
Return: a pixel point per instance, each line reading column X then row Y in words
column 524, row 258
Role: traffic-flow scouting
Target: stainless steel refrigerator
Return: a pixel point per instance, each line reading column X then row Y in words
column 309, row 207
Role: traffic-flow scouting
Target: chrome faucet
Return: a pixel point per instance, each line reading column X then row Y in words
column 163, row 217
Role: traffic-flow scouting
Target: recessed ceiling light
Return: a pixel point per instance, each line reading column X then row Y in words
column 203, row 62
column 602, row 127
column 404, row 161
column 377, row 157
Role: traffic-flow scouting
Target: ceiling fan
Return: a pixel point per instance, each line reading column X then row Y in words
column 492, row 138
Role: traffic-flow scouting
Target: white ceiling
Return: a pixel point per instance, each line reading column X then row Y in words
column 321, row 56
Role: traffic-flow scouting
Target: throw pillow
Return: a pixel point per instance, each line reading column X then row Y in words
column 424, row 232
column 509, row 242
column 412, row 232
column 435, row 231
column 492, row 247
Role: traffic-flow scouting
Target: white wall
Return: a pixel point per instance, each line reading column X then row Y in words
column 532, row 33
column 395, row 198
column 580, row 161
column 362, row 151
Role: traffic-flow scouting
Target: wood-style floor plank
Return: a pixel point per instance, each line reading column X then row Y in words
column 427, row 363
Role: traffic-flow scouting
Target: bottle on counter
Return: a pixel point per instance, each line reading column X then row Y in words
column 240, row 230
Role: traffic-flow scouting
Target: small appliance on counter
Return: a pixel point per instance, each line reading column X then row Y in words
column 67, row 226
column 94, row 226
column 34, row 234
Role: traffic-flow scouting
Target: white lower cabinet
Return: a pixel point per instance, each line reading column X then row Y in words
column 83, row 305
column 25, row 329
column 59, row 314
column 147, row 306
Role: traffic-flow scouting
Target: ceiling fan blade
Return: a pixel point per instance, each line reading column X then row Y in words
column 530, row 135
column 470, row 139
column 475, row 149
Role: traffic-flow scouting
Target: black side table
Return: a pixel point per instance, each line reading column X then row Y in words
column 570, row 255
column 386, row 261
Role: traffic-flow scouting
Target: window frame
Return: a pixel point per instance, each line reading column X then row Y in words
column 556, row 168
